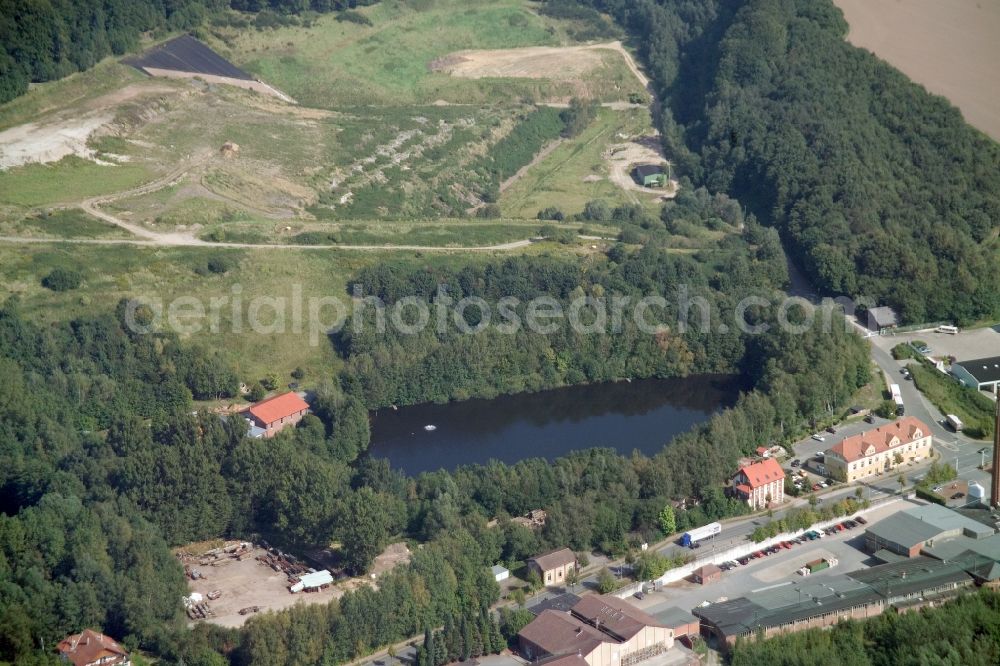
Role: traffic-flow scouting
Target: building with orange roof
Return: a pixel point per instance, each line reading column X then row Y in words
column 880, row 449
column 90, row 648
column 760, row 483
column 268, row 417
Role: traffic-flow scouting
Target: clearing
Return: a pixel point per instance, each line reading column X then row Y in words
column 583, row 168
column 952, row 48
column 593, row 70
column 250, row 583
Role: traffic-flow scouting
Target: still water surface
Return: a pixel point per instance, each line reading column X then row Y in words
column 642, row 414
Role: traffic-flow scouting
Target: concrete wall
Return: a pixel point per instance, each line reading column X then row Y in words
column 745, row 549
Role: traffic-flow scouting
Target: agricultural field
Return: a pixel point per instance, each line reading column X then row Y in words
column 949, row 47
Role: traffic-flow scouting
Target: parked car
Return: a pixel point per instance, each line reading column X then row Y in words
column 816, row 486
column 639, row 595
column 744, row 560
column 819, row 438
column 869, row 419
column 796, row 462
column 861, row 520
column 831, row 430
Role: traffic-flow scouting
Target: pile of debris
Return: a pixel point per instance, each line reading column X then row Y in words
column 196, row 606
column 286, row 564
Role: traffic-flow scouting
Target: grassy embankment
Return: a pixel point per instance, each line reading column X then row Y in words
column 975, row 409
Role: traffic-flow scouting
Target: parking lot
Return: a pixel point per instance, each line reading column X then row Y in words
column 778, row 568
column 966, row 345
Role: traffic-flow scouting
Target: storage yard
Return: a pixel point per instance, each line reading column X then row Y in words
column 239, row 579
column 231, row 581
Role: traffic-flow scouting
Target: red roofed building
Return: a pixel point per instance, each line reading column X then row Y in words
column 760, row 483
column 93, row 649
column 271, row 415
column 880, row 449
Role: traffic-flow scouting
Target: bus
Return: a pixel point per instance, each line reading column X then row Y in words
column 897, row 398
column 950, row 330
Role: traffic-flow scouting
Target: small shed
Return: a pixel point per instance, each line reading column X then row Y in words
column 316, row 580
column 882, row 318
column 650, row 175
column 500, row 573
column 707, row 574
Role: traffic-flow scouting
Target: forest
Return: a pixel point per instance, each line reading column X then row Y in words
column 879, row 188
column 964, row 631
column 99, row 441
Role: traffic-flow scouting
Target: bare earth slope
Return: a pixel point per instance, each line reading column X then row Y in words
column 952, row 47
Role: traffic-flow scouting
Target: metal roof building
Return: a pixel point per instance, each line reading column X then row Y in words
column 908, row 532
column 805, row 604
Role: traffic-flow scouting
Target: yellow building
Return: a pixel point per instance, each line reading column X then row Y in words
column 879, row 450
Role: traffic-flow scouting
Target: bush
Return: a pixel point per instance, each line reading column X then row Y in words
column 597, row 211
column 62, row 279
column 904, row 351
column 256, row 392
column 351, row 16
column 219, row 264
column 606, row 582
column 490, row 211
column 551, row 213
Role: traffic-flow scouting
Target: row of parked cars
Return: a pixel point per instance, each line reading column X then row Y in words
column 811, row 535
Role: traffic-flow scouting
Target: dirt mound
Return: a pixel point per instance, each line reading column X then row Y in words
column 623, row 157
column 535, row 62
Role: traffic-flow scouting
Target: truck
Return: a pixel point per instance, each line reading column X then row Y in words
column 817, row 565
column 955, row 422
column 897, row 398
column 688, row 539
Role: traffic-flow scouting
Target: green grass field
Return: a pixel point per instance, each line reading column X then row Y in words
column 64, row 223
column 560, row 179
column 161, row 275
column 69, row 180
column 332, row 64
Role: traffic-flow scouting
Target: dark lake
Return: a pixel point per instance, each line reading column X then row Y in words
column 642, row 414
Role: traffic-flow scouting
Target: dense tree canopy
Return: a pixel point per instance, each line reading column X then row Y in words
column 879, row 188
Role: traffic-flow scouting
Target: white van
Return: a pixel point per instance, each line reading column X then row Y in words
column 950, row 330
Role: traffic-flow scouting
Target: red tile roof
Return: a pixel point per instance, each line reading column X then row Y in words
column 879, row 440
column 762, row 473
column 90, row 646
column 276, row 408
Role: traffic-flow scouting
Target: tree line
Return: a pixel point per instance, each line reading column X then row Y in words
column 961, row 631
